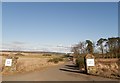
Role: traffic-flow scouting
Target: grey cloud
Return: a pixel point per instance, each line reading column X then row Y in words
column 36, row 47
column 18, row 43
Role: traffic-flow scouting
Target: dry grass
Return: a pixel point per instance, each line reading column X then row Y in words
column 107, row 68
column 107, row 60
column 31, row 63
column 0, row 63
column 39, row 56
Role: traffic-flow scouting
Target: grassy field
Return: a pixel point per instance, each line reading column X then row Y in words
column 30, row 63
column 0, row 63
column 39, row 56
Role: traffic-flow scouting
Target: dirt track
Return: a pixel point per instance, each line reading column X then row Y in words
column 64, row 72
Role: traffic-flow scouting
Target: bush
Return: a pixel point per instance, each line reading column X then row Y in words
column 60, row 59
column 80, row 62
column 118, row 55
column 55, row 60
column 4, row 54
column 46, row 55
column 19, row 54
column 66, row 55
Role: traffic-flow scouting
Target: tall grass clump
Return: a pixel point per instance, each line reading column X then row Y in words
column 80, row 62
column 55, row 60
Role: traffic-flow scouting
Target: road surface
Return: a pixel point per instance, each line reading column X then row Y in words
column 56, row 73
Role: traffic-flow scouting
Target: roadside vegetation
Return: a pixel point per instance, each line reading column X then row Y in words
column 29, row 63
column 55, row 60
column 103, row 48
column 105, row 51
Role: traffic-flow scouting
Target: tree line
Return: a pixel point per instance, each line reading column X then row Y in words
column 105, row 48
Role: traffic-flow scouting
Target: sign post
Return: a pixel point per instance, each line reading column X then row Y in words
column 90, row 63
column 8, row 62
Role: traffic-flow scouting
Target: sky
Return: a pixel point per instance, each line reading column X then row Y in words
column 56, row 26
column 0, row 32
column 60, row 0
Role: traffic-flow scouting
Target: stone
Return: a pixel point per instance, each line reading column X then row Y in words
column 90, row 69
column 14, row 63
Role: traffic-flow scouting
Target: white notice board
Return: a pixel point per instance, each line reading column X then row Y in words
column 90, row 62
column 8, row 62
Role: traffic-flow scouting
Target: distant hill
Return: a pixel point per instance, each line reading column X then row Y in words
column 35, row 52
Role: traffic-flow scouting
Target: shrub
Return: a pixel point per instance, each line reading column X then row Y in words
column 4, row 54
column 66, row 55
column 46, row 55
column 118, row 55
column 19, row 54
column 114, row 56
column 80, row 62
column 60, row 59
column 55, row 60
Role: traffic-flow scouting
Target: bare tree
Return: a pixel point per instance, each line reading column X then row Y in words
column 75, row 50
column 81, row 46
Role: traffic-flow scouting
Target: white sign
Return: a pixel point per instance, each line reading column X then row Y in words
column 90, row 62
column 8, row 62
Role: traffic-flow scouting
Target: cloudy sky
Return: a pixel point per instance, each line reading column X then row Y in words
column 56, row 26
